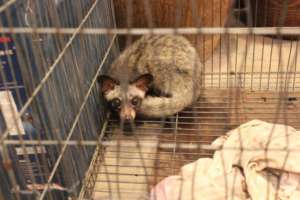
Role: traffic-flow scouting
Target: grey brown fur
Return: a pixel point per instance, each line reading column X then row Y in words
column 175, row 66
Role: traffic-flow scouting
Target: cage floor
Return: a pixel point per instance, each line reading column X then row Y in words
column 129, row 172
column 256, row 62
column 159, row 148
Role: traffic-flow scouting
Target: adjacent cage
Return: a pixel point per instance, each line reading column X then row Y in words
column 58, row 138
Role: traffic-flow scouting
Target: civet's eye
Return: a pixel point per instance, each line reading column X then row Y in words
column 136, row 101
column 115, row 103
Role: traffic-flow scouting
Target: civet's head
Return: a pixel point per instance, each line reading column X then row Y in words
column 125, row 100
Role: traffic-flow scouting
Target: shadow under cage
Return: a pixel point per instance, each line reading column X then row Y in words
column 60, row 140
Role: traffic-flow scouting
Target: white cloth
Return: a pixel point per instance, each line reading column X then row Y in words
column 257, row 161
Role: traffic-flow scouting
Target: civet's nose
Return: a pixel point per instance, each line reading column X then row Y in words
column 127, row 116
column 127, row 113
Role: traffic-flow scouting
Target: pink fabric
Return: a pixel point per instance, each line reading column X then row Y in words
column 268, row 154
column 167, row 189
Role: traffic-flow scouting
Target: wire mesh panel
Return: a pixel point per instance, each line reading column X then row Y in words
column 62, row 139
column 61, row 101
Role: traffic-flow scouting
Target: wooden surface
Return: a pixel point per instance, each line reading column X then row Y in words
column 126, row 171
column 254, row 62
column 165, row 13
column 269, row 13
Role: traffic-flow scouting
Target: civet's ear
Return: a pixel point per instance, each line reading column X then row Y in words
column 143, row 82
column 106, row 83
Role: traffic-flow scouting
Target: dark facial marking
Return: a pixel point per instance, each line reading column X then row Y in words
column 115, row 104
column 136, row 101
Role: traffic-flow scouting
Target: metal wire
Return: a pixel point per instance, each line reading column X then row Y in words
column 51, row 69
column 69, row 134
column 160, row 31
column 249, row 75
column 6, row 5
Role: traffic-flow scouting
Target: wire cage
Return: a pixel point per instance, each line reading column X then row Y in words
column 58, row 138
